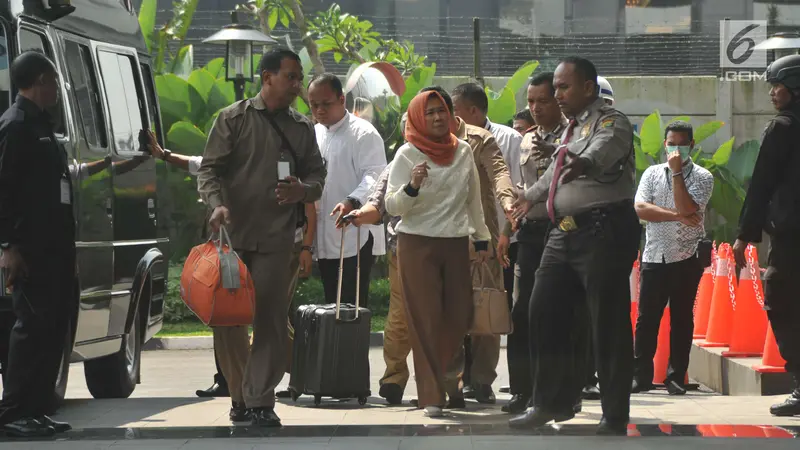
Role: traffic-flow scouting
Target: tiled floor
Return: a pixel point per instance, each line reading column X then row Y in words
column 164, row 413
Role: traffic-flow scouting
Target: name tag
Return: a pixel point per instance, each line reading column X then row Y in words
column 65, row 191
column 284, row 170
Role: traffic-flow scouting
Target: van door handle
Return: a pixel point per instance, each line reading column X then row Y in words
column 151, row 208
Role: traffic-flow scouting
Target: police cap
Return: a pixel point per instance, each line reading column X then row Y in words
column 786, row 71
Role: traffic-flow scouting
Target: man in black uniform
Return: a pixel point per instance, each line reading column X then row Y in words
column 773, row 205
column 37, row 236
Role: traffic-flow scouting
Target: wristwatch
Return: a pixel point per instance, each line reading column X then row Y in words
column 355, row 202
column 166, row 154
column 308, row 248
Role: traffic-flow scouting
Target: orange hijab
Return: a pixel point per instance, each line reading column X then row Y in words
column 441, row 151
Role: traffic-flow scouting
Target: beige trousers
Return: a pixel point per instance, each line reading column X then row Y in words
column 253, row 371
column 438, row 306
column 396, row 343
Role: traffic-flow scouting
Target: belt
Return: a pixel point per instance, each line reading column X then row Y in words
column 592, row 216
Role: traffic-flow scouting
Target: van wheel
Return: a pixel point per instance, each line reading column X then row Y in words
column 115, row 376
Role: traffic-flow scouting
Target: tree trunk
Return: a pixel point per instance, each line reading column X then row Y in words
column 308, row 41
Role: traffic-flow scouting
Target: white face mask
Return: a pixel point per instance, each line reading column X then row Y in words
column 685, row 150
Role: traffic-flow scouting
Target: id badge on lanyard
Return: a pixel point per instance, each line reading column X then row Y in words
column 66, row 197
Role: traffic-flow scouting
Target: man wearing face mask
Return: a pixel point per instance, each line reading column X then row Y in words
column 771, row 206
column 672, row 198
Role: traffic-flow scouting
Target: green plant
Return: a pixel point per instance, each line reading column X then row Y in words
column 731, row 167
column 343, row 34
column 503, row 104
column 158, row 40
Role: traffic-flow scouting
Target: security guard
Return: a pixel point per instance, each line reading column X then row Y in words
column 37, row 235
column 773, row 205
column 589, row 188
column 538, row 145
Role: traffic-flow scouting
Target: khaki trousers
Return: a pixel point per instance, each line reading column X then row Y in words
column 396, row 343
column 484, row 350
column 253, row 371
column 438, row 306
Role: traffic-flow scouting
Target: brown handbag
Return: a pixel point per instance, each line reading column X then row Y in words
column 491, row 315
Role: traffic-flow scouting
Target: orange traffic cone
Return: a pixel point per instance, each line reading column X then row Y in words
column 634, row 283
column 702, row 303
column 749, row 318
column 771, row 362
column 720, row 320
column 661, row 360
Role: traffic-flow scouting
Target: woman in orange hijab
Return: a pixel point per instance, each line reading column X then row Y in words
column 434, row 188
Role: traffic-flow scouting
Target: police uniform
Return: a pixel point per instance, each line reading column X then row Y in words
column 36, row 218
column 594, row 235
column 773, row 205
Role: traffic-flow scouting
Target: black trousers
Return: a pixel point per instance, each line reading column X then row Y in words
column 521, row 350
column 44, row 304
column 329, row 272
column 677, row 283
column 782, row 303
column 600, row 253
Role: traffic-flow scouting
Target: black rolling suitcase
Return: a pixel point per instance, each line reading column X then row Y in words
column 330, row 357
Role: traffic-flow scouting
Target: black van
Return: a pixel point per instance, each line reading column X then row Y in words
column 107, row 96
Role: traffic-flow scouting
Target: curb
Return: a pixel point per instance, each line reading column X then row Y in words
column 207, row 342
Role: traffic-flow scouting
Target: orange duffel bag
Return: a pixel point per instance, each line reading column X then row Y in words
column 216, row 285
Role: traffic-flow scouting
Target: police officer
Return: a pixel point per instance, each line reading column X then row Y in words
column 594, row 234
column 37, row 235
column 773, row 205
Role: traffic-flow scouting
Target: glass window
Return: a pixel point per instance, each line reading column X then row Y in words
column 121, row 88
column 151, row 99
column 84, row 85
column 32, row 40
column 5, row 78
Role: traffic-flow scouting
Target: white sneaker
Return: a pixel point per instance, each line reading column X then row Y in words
column 433, row 411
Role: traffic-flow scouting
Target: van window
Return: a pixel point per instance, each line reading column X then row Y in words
column 122, row 91
column 5, row 78
column 32, row 40
column 151, row 99
column 84, row 85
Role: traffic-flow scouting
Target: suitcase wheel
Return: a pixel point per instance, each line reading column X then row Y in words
column 362, row 401
column 317, row 400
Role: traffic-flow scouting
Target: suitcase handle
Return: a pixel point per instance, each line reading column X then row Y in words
column 341, row 275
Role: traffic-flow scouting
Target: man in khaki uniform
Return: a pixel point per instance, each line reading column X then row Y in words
column 494, row 146
column 495, row 183
column 589, row 189
column 260, row 161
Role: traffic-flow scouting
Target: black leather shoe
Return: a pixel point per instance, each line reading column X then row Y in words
column 392, row 392
column 674, row 388
column 791, row 407
column 517, row 405
column 577, row 407
column 265, row 417
column 590, row 393
column 505, row 389
column 637, row 387
column 469, row 391
column 485, row 395
column 28, row 428
column 60, row 427
column 612, row 427
column 283, row 394
column 457, row 402
column 216, row 390
column 239, row 413
column 536, row 418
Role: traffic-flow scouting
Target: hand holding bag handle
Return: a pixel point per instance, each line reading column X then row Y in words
column 341, row 275
column 228, row 262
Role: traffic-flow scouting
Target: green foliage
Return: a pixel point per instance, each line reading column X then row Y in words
column 175, row 29
column 343, row 34
column 732, row 168
column 503, row 104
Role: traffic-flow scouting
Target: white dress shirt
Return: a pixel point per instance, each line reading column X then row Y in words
column 510, row 143
column 354, row 156
column 669, row 242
